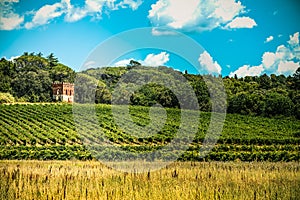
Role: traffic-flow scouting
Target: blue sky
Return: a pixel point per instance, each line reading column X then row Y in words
column 247, row 37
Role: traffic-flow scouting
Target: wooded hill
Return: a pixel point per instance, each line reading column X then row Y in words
column 29, row 78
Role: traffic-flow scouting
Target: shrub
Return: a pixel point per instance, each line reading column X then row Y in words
column 6, row 98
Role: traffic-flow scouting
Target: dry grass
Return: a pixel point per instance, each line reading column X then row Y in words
column 187, row 180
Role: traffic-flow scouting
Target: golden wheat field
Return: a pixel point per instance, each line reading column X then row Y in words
column 181, row 180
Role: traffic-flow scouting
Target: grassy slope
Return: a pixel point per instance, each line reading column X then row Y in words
column 48, row 132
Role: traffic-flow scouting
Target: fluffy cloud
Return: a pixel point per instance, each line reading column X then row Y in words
column 241, row 22
column 196, row 15
column 246, row 70
column 9, row 20
column 208, row 64
column 228, row 9
column 269, row 39
column 95, row 8
column 285, row 60
column 294, row 39
column 153, row 60
column 268, row 59
column 47, row 13
column 287, row 67
column 91, row 7
column 294, row 44
column 156, row 60
column 275, row 62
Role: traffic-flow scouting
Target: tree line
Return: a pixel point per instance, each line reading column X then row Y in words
column 251, row 95
column 29, row 78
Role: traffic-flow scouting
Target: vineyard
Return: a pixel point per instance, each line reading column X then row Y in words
column 48, row 131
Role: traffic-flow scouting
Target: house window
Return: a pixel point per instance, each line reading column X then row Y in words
column 66, row 92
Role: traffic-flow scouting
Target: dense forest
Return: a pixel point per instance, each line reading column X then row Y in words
column 264, row 95
column 29, row 77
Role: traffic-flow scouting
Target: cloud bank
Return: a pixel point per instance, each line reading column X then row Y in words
column 195, row 15
column 285, row 60
column 10, row 20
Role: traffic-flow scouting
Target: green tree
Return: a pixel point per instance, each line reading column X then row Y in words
column 102, row 94
column 33, row 86
column 265, row 81
column 134, row 63
column 7, row 72
column 53, row 61
column 278, row 104
column 296, row 80
column 62, row 73
column 85, row 88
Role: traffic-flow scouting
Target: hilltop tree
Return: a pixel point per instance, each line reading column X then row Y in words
column 134, row 63
column 53, row 61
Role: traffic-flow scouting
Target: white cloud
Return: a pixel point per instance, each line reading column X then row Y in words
column 45, row 14
column 284, row 53
column 271, row 60
column 208, row 64
column 195, row 15
column 288, row 67
column 153, row 60
column 75, row 14
column 269, row 39
column 156, row 60
column 241, row 22
column 246, row 70
column 228, row 9
column 285, row 60
column 48, row 12
column 294, row 39
column 95, row 8
column 94, row 5
column 268, row 59
column 9, row 20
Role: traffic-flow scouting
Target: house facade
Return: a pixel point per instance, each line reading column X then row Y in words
column 63, row 92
